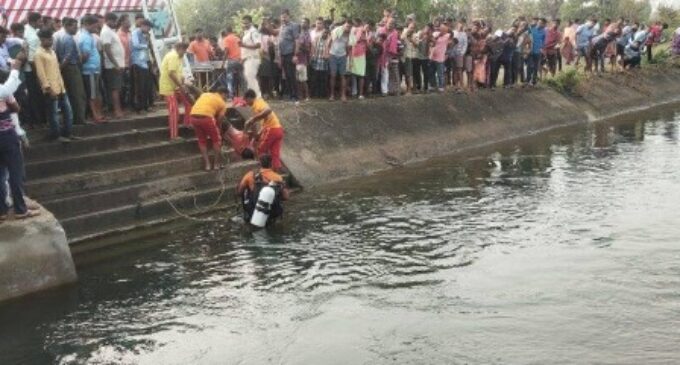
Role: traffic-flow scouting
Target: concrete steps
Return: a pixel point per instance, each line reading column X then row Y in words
column 125, row 175
column 189, row 201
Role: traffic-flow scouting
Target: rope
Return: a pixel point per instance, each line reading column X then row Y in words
column 208, row 208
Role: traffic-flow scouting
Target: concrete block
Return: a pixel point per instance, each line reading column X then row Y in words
column 34, row 255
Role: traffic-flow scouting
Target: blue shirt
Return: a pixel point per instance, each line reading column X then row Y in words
column 583, row 35
column 88, row 46
column 537, row 39
column 287, row 36
column 139, row 49
column 67, row 49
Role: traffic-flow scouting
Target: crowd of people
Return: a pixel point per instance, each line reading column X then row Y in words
column 342, row 58
column 76, row 71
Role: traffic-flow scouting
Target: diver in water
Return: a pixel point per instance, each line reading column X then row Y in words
column 262, row 193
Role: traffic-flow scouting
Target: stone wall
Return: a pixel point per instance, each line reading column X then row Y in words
column 331, row 141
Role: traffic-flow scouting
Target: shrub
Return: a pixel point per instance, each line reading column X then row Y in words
column 565, row 82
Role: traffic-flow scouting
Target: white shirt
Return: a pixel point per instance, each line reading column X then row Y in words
column 251, row 37
column 33, row 42
column 462, row 45
column 11, row 84
column 110, row 37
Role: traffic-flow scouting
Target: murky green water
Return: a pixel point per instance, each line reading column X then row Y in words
column 558, row 249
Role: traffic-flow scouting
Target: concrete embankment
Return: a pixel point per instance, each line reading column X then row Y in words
column 331, row 141
column 34, row 255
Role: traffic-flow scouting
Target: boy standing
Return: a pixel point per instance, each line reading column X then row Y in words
column 52, row 86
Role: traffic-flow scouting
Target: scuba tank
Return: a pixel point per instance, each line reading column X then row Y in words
column 263, row 207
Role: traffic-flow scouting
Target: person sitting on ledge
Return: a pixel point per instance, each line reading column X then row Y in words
column 208, row 109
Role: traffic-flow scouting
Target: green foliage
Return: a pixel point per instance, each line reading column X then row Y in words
column 566, row 82
column 496, row 11
column 661, row 57
column 256, row 14
column 667, row 14
column 215, row 15
column 374, row 9
column 583, row 9
column 634, row 10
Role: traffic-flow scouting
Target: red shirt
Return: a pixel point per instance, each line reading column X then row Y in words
column 552, row 38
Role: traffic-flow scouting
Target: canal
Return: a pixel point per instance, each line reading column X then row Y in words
column 560, row 248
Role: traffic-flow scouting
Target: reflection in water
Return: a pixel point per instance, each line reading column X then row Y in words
column 559, row 248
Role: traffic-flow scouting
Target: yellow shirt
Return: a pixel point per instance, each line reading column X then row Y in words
column 209, row 105
column 171, row 62
column 271, row 121
column 47, row 70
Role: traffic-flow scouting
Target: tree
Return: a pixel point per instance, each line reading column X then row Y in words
column 669, row 15
column 214, row 15
column 635, row 10
column 495, row 11
column 549, row 8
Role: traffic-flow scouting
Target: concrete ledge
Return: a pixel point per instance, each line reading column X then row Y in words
column 332, row 141
column 34, row 255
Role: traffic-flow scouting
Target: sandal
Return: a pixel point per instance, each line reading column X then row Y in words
column 28, row 214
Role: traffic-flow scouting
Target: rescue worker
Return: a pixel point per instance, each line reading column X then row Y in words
column 208, row 109
column 271, row 134
column 256, row 181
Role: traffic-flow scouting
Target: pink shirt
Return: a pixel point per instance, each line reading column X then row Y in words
column 438, row 53
column 392, row 44
column 359, row 49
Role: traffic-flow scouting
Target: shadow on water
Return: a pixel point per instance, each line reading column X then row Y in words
column 382, row 249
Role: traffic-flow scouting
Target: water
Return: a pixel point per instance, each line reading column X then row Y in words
column 557, row 249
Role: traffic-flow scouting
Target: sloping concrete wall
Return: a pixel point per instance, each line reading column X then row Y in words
column 34, row 255
column 331, row 141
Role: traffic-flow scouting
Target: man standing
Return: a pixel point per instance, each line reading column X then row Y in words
column 287, row 35
column 10, row 150
column 46, row 68
column 391, row 49
column 114, row 61
column 271, row 132
column 251, row 42
column 303, row 46
column 35, row 99
column 69, row 61
column 584, row 33
column 124, row 36
column 200, row 47
column 655, row 35
column 552, row 43
column 91, row 65
column 171, row 86
column 410, row 53
column 459, row 52
column 338, row 58
column 140, row 66
column 232, row 60
column 538, row 35
column 319, row 62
